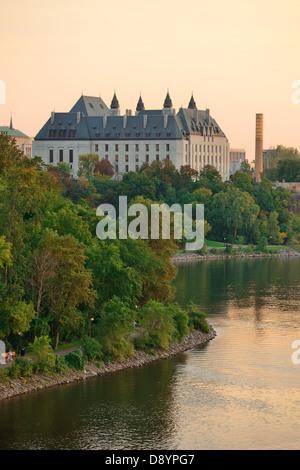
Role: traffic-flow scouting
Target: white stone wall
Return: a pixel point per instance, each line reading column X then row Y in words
column 212, row 150
column 128, row 155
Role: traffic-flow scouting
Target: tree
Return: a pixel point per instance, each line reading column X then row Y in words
column 158, row 323
column 5, row 253
column 9, row 153
column 70, row 287
column 21, row 314
column 210, row 178
column 63, row 170
column 104, row 167
column 86, row 164
column 114, row 327
column 234, row 210
column 246, row 168
column 288, row 170
column 44, row 265
column 275, row 155
column 243, row 180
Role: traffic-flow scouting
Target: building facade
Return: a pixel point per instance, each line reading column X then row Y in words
column 189, row 137
column 22, row 140
column 236, row 157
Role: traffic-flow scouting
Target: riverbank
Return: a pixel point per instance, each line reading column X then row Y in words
column 37, row 382
column 192, row 256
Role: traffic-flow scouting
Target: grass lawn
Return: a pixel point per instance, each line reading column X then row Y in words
column 214, row 244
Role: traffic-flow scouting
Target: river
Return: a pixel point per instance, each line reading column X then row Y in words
column 240, row 391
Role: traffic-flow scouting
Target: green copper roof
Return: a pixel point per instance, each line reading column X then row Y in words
column 12, row 132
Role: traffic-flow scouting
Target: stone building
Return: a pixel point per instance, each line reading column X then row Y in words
column 236, row 157
column 188, row 137
column 22, row 140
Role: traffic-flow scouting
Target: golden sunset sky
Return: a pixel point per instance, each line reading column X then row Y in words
column 238, row 58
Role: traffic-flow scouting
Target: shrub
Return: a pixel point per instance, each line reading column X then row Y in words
column 92, row 349
column 261, row 244
column 44, row 359
column 61, row 366
column 197, row 319
column 20, row 368
column 229, row 249
column 181, row 321
column 203, row 251
column 157, row 320
column 25, row 365
column 76, row 360
column 13, row 371
column 116, row 350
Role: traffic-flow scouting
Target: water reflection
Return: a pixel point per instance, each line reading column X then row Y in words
column 240, row 391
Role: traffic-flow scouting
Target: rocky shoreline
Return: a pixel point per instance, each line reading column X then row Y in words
column 39, row 382
column 241, row 255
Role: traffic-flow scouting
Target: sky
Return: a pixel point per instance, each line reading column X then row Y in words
column 238, row 58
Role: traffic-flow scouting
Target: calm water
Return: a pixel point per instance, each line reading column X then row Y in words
column 240, row 391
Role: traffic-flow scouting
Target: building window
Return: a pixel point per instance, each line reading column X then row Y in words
column 50, row 155
column 61, row 155
column 117, row 168
column 126, row 168
column 70, row 155
column 136, row 147
column 136, row 168
column 96, row 148
column 167, row 147
column 107, row 135
column 157, row 147
column 168, row 157
column 106, row 147
column 147, row 147
column 116, row 147
column 106, row 157
column 136, row 158
column 62, row 133
column 126, row 148
column 157, row 157
column 116, row 158
column 126, row 158
column 72, row 133
column 147, row 158
column 52, row 133
column 128, row 134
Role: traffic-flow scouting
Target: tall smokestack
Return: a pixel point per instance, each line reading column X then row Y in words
column 259, row 147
